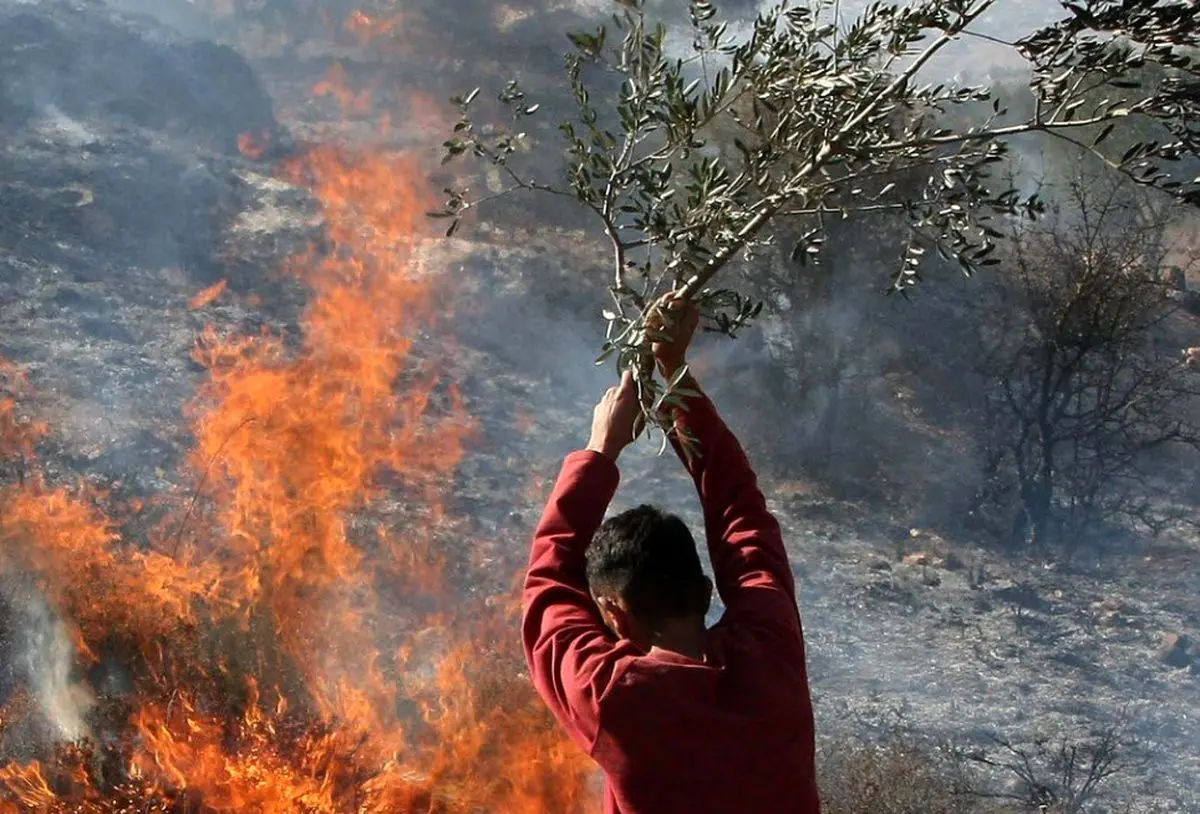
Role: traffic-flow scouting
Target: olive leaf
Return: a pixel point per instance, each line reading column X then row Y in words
column 807, row 117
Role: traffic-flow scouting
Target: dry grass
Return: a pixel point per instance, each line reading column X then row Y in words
column 903, row 774
column 895, row 777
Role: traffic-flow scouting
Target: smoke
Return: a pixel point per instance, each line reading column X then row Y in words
column 534, row 331
column 42, row 657
column 182, row 16
column 49, row 659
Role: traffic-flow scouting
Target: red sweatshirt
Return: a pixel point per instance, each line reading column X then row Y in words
column 728, row 735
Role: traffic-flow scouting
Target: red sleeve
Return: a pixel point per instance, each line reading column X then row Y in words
column 572, row 657
column 753, row 575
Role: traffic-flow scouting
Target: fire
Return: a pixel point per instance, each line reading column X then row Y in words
column 370, row 27
column 253, row 146
column 427, row 115
column 291, row 636
column 336, row 85
column 208, row 296
column 18, row 433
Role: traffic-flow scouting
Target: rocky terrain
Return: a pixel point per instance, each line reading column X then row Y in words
column 957, row 641
column 123, row 195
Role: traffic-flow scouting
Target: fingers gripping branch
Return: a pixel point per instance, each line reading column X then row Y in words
column 668, row 326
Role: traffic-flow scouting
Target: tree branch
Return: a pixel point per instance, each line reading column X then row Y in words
column 724, row 254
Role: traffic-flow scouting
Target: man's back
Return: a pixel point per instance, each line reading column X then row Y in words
column 732, row 734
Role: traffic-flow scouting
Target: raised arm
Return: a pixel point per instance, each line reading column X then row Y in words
column 745, row 544
column 572, row 658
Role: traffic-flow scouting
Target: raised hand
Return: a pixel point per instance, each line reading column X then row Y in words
column 617, row 419
column 672, row 320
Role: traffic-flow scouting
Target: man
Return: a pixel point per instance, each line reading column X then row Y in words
column 680, row 718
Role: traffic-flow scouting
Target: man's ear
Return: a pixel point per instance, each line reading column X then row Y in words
column 615, row 615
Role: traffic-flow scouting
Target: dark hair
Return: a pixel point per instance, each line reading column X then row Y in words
column 648, row 558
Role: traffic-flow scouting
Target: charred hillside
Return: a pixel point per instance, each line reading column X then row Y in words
column 121, row 184
column 271, row 449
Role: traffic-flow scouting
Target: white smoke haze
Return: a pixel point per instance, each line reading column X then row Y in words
column 42, row 657
column 49, row 657
column 959, row 655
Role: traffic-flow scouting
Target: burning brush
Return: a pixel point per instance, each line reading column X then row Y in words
column 288, row 638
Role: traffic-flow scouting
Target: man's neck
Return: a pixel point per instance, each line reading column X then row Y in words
column 685, row 637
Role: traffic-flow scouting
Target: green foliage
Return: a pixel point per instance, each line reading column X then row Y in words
column 823, row 117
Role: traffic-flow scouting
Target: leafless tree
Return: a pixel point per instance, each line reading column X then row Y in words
column 1081, row 390
column 1056, row 775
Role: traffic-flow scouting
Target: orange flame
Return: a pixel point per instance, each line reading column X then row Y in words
column 253, row 146
column 336, row 84
column 292, row 633
column 208, row 296
column 427, row 115
column 369, row 28
column 18, row 433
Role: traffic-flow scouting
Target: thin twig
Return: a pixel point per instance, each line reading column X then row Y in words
column 771, row 204
column 200, row 485
column 989, row 38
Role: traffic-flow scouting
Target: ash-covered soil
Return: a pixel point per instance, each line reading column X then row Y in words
column 941, row 635
column 122, row 195
column 120, row 191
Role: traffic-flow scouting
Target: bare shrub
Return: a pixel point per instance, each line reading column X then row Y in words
column 891, row 768
column 897, row 776
column 1054, row 774
column 1082, row 398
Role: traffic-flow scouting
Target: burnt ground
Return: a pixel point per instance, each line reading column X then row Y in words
column 942, row 636
column 122, row 194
